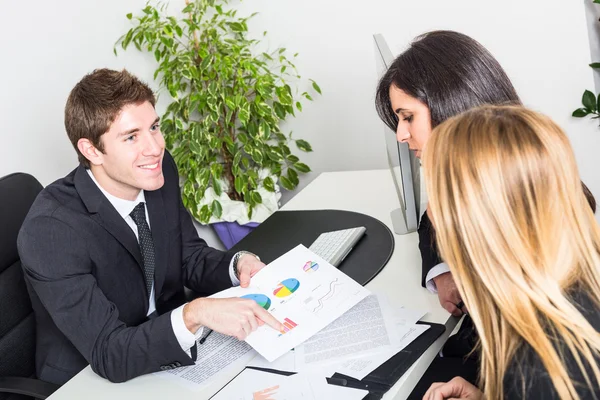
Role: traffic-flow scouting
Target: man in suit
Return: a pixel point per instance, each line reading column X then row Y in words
column 108, row 249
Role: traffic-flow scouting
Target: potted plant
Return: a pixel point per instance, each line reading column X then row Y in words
column 222, row 125
column 590, row 102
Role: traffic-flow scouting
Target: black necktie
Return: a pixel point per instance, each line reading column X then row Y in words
column 146, row 244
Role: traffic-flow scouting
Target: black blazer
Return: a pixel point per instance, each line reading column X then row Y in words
column 526, row 377
column 84, row 273
column 427, row 245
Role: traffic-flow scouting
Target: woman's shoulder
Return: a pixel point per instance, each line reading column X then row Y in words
column 526, row 376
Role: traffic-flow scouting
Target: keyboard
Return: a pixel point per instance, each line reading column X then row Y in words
column 335, row 246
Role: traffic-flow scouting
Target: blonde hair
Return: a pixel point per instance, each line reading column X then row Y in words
column 513, row 224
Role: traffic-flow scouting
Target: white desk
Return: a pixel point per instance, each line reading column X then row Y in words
column 368, row 192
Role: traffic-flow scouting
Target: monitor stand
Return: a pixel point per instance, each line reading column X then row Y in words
column 399, row 222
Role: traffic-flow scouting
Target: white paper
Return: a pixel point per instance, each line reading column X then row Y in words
column 361, row 330
column 259, row 385
column 218, row 354
column 302, row 291
column 286, row 362
column 360, row 367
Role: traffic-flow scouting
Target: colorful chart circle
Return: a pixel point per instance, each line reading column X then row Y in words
column 286, row 287
column 310, row 266
column 261, row 299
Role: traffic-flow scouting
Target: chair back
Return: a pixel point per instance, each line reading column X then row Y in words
column 17, row 322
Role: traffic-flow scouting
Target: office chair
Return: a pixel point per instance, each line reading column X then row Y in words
column 17, row 322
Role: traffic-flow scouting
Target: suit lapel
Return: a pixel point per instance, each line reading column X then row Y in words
column 158, row 227
column 105, row 214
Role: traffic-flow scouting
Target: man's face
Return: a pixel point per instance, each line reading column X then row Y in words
column 133, row 153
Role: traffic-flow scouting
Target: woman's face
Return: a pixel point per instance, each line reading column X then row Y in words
column 414, row 120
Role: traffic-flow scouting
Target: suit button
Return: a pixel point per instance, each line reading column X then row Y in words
column 163, row 367
column 177, row 364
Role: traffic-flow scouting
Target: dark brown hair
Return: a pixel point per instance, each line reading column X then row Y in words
column 447, row 71
column 96, row 101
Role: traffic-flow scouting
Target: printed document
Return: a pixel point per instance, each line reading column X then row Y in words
column 304, row 292
column 364, row 329
column 219, row 354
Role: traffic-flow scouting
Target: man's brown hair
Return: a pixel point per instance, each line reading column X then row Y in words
column 96, row 101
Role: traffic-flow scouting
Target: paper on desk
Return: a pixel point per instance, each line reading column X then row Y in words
column 218, row 354
column 286, row 362
column 259, row 385
column 302, row 291
column 358, row 368
column 365, row 328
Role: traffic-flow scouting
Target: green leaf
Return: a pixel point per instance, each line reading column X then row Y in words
column 269, row 184
column 293, row 176
column 188, row 8
column 178, row 30
column 129, row 16
column 257, row 156
column 264, row 130
column 589, row 100
column 299, row 106
column 217, row 187
column 239, row 184
column 205, row 214
column 302, row 167
column 580, row 112
column 595, row 64
column 203, row 177
column 303, row 145
column 279, row 110
column 316, row 87
column 285, row 182
column 217, row 209
column 256, row 197
column 598, row 103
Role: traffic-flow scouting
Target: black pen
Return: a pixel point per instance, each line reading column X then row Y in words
column 201, row 341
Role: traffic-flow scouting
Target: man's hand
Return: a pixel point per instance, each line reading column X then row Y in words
column 247, row 267
column 233, row 317
column 448, row 294
column 457, row 388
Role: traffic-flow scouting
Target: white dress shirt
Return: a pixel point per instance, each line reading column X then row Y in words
column 185, row 338
column 433, row 272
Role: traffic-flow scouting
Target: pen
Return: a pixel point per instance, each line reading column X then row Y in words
column 201, row 341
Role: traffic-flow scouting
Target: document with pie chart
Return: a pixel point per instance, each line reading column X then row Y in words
column 304, row 292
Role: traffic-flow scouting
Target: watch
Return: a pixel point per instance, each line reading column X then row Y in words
column 236, row 258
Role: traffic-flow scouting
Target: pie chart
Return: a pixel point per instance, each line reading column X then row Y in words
column 261, row 299
column 310, row 266
column 286, row 287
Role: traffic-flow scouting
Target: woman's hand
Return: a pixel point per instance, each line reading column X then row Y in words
column 457, row 388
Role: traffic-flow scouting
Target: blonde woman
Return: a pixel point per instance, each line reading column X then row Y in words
column 523, row 245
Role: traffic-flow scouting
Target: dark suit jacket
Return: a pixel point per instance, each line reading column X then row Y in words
column 84, row 272
column 429, row 251
column 526, row 377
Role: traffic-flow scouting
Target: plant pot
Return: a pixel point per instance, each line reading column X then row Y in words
column 231, row 232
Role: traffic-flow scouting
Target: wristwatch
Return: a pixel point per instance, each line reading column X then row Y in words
column 236, row 258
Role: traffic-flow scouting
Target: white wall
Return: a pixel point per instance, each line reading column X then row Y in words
column 48, row 46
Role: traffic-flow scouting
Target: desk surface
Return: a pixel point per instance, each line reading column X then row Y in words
column 368, row 192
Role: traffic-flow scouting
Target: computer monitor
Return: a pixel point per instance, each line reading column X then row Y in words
column 404, row 165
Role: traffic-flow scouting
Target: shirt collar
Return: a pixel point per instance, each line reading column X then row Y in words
column 123, row 207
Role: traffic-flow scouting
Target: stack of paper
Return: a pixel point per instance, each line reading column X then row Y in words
column 355, row 344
